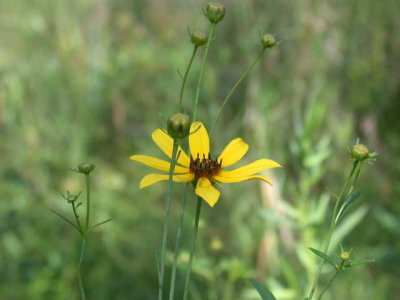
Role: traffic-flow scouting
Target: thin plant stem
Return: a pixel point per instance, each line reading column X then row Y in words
column 209, row 39
column 195, row 231
column 332, row 228
column 88, row 201
column 328, row 285
column 81, row 287
column 166, row 220
column 185, row 76
column 248, row 70
column 77, row 217
column 177, row 242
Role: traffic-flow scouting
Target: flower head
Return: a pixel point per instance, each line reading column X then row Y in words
column 201, row 167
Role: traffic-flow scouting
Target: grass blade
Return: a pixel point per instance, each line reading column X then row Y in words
column 264, row 292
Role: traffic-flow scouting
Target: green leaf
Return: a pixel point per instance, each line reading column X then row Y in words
column 65, row 219
column 264, row 292
column 101, row 223
column 359, row 262
column 323, row 256
column 349, row 201
column 347, row 225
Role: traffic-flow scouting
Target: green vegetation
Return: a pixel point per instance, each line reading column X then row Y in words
column 86, row 81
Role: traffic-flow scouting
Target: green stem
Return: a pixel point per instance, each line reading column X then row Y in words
column 209, row 39
column 177, row 243
column 87, row 201
column 331, row 229
column 81, row 288
column 328, row 285
column 77, row 218
column 248, row 70
column 166, row 220
column 195, row 231
column 186, row 76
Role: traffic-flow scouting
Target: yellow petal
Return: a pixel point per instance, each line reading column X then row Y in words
column 233, row 152
column 205, row 190
column 239, row 179
column 199, row 142
column 157, row 163
column 165, row 143
column 250, row 169
column 154, row 178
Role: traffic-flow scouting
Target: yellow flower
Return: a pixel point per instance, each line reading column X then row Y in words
column 200, row 166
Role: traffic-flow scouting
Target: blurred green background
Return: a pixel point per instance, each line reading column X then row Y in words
column 87, row 80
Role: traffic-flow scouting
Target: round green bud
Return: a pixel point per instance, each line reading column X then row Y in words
column 85, row 168
column 178, row 125
column 360, row 152
column 198, row 38
column 268, row 41
column 345, row 255
column 215, row 12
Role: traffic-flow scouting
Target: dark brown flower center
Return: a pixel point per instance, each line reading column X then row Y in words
column 204, row 167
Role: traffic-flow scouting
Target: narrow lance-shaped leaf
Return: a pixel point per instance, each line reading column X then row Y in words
column 264, row 292
column 346, row 205
column 361, row 262
column 323, row 256
column 101, row 223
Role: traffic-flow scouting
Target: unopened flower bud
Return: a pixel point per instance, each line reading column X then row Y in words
column 178, row 125
column 345, row 255
column 198, row 38
column 268, row 40
column 215, row 12
column 71, row 197
column 85, row 168
column 360, row 152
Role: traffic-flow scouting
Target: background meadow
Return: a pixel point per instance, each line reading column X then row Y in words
column 86, row 81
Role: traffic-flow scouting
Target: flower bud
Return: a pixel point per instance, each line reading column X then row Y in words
column 71, row 197
column 360, row 152
column 198, row 38
column 215, row 12
column 178, row 125
column 345, row 255
column 85, row 168
column 268, row 41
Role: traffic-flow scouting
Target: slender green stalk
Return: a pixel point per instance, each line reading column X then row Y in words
column 177, row 242
column 77, row 218
column 88, row 201
column 81, row 288
column 209, row 39
column 166, row 220
column 328, row 285
column 332, row 228
column 195, row 231
column 248, row 70
column 185, row 76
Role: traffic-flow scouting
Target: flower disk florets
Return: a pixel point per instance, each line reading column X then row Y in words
column 204, row 167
